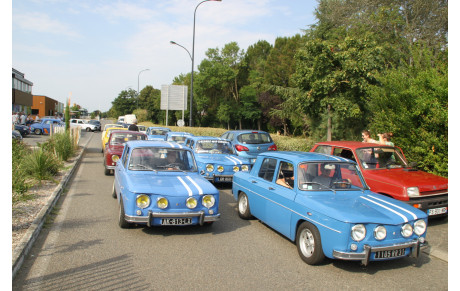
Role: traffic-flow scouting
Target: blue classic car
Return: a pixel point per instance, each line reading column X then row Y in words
column 157, row 133
column 323, row 204
column 216, row 158
column 157, row 183
column 250, row 143
column 44, row 125
column 177, row 137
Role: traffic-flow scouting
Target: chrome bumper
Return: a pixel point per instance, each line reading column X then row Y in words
column 202, row 218
column 364, row 257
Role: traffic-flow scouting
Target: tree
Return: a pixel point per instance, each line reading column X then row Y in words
column 125, row 103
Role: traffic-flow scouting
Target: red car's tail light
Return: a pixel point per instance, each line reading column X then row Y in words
column 241, row 148
column 272, row 148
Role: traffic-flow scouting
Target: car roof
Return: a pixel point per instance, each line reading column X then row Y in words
column 246, row 131
column 158, row 127
column 179, row 133
column 297, row 156
column 154, row 143
column 127, row 132
column 200, row 137
column 351, row 144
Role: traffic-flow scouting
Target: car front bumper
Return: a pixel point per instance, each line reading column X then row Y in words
column 365, row 256
column 202, row 218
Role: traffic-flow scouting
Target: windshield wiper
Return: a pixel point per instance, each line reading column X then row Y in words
column 327, row 188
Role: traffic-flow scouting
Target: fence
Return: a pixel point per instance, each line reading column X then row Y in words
column 75, row 132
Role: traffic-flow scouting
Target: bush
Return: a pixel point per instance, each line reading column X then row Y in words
column 61, row 145
column 19, row 184
column 41, row 164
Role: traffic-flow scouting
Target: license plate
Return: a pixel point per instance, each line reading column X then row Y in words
column 390, row 254
column 224, row 179
column 176, row 221
column 436, row 211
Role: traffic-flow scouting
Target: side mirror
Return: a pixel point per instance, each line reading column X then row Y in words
column 413, row 164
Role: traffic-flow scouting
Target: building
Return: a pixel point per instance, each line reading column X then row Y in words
column 22, row 93
column 46, row 106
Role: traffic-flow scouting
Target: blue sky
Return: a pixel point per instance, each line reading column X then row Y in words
column 92, row 50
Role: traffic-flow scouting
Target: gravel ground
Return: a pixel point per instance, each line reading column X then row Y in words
column 25, row 212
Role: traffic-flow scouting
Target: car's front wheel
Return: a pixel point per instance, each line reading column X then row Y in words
column 243, row 206
column 121, row 216
column 114, row 193
column 88, row 129
column 308, row 241
column 37, row 131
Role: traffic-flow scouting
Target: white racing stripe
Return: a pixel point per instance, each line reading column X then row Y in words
column 399, row 207
column 236, row 159
column 200, row 190
column 190, row 193
column 388, row 208
column 234, row 162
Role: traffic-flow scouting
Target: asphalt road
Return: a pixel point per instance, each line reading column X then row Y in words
column 82, row 248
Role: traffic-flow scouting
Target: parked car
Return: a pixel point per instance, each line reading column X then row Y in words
column 158, row 184
column 177, row 137
column 83, row 124
column 17, row 135
column 115, row 144
column 105, row 137
column 387, row 172
column 142, row 128
column 216, row 158
column 323, row 204
column 250, row 143
column 23, row 130
column 96, row 123
column 157, row 133
column 44, row 125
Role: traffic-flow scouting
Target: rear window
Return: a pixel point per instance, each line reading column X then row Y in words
column 255, row 138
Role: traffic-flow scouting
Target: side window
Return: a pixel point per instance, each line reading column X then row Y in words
column 125, row 156
column 73, row 121
column 344, row 153
column 285, row 176
column 230, row 136
column 323, row 149
column 224, row 135
column 267, row 169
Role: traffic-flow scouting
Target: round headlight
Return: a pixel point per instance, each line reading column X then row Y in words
column 115, row 158
column 420, row 227
column 191, row 202
column 358, row 232
column 142, row 201
column 236, row 168
column 208, row 201
column 220, row 169
column 380, row 232
column 407, row 230
column 209, row 167
column 162, row 202
column 413, row 192
column 244, row 168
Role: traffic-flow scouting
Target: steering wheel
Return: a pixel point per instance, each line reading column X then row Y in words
column 174, row 165
column 342, row 183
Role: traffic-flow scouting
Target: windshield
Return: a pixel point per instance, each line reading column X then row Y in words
column 381, row 157
column 213, row 147
column 158, row 132
column 161, row 159
column 177, row 138
column 254, row 138
column 121, row 138
column 329, row 176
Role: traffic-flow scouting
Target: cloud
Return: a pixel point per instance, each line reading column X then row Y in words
column 41, row 22
column 120, row 10
column 38, row 49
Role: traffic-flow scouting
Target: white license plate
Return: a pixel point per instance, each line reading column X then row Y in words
column 176, row 221
column 390, row 254
column 224, row 179
column 436, row 211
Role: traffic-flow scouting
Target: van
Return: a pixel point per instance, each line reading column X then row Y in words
column 129, row 118
column 121, row 119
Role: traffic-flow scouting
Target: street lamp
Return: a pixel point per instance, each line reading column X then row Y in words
column 138, row 86
column 193, row 57
column 173, row 42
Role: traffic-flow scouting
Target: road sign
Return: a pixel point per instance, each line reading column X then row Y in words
column 180, row 123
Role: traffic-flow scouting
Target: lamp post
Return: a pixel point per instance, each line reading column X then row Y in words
column 173, row 42
column 193, row 57
column 138, row 86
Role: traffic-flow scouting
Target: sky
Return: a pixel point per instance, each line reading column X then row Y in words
column 91, row 50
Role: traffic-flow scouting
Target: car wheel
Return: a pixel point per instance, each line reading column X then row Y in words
column 106, row 171
column 114, row 193
column 121, row 216
column 308, row 241
column 243, row 206
column 37, row 131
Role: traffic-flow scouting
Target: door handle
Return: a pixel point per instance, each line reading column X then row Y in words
column 271, row 188
column 254, row 181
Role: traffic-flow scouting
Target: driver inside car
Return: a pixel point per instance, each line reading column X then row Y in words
column 172, row 162
column 324, row 178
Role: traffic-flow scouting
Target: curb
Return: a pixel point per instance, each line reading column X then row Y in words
column 26, row 243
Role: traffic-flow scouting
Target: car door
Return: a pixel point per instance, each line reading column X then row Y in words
column 280, row 198
column 120, row 171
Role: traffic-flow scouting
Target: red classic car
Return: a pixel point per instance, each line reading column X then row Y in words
column 387, row 172
column 115, row 145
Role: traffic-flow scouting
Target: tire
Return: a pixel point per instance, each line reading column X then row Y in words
column 308, row 241
column 88, row 129
column 106, row 171
column 37, row 131
column 121, row 216
column 243, row 206
column 114, row 193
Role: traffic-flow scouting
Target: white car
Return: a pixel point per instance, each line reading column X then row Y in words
column 83, row 124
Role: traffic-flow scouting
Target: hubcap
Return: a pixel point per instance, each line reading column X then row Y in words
column 307, row 243
column 243, row 204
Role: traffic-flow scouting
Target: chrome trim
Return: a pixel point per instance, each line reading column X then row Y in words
column 364, row 257
column 148, row 219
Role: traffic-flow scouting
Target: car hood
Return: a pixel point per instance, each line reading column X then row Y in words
column 361, row 207
column 408, row 178
column 170, row 183
column 156, row 137
column 221, row 159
